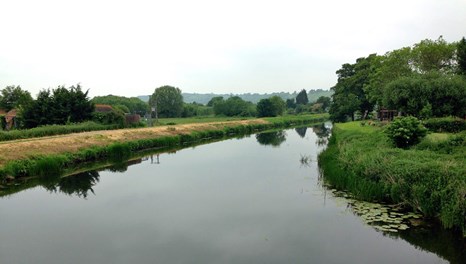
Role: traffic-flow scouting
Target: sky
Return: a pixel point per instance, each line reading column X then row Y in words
column 129, row 48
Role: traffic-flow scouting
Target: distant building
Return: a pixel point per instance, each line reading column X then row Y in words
column 10, row 119
column 103, row 108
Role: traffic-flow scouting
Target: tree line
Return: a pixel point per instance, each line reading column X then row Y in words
column 425, row 80
column 63, row 106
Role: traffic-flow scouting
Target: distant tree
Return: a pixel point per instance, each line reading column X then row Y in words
column 290, row 103
column 169, row 101
column 234, row 106
column 265, row 108
column 58, row 106
column 14, row 97
column 461, row 55
column 215, row 100
column 325, row 101
column 278, row 105
column 301, row 98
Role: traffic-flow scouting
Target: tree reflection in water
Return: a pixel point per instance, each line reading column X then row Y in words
column 275, row 138
column 79, row 184
column 301, row 131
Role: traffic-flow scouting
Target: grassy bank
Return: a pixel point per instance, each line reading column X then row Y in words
column 429, row 178
column 132, row 141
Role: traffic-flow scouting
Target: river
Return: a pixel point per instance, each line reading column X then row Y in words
column 257, row 199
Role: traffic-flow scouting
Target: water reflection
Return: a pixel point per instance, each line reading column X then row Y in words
column 275, row 138
column 79, row 184
column 301, row 131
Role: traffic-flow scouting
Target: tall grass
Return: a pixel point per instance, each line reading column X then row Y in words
column 52, row 130
column 427, row 179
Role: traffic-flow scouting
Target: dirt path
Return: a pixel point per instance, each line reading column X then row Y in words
column 22, row 149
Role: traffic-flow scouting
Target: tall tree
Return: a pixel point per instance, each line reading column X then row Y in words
column 14, row 97
column 349, row 95
column 59, row 106
column 461, row 55
column 168, row 101
column 301, row 98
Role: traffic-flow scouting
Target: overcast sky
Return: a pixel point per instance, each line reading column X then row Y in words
column 130, row 48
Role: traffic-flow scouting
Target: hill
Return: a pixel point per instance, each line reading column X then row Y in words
column 251, row 97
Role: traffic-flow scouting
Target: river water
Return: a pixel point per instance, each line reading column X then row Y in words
column 257, row 199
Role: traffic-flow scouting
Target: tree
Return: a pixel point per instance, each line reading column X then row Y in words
column 58, row 106
column 14, row 97
column 168, row 101
column 290, row 103
column 215, row 100
column 461, row 55
column 349, row 94
column 325, row 101
column 234, row 106
column 278, row 105
column 434, row 55
column 265, row 108
column 301, row 98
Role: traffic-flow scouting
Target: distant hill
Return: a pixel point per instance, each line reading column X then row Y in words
column 251, row 97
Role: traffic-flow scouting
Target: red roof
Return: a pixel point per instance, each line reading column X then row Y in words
column 103, row 108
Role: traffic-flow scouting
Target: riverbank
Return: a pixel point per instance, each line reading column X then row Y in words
column 429, row 178
column 52, row 155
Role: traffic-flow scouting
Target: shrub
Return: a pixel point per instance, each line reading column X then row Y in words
column 445, row 124
column 406, row 131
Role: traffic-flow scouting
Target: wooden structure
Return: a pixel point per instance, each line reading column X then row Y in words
column 387, row 115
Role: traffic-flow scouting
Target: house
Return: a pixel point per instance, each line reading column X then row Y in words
column 10, row 119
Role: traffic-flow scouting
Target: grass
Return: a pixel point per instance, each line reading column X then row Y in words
column 429, row 177
column 200, row 119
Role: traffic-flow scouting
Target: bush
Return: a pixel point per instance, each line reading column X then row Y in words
column 406, row 131
column 445, row 124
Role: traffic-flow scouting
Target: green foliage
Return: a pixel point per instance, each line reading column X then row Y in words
column 301, row 98
column 272, row 106
column 51, row 130
column 325, row 101
column 190, row 110
column 109, row 118
column 133, row 105
column 60, row 106
column 430, row 178
column 168, row 101
column 214, row 100
column 445, row 124
column 433, row 55
column 350, row 95
column 406, row 131
column 234, row 106
column 461, row 55
column 14, row 97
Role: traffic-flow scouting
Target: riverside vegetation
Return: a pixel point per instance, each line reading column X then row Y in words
column 51, row 164
column 429, row 177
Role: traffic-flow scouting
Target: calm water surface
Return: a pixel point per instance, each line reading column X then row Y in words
column 247, row 200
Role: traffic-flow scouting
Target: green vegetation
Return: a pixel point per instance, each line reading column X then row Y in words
column 14, row 97
column 273, row 106
column 429, row 178
column 405, row 131
column 132, row 105
column 234, row 106
column 52, row 130
column 59, row 106
column 168, row 101
column 425, row 80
